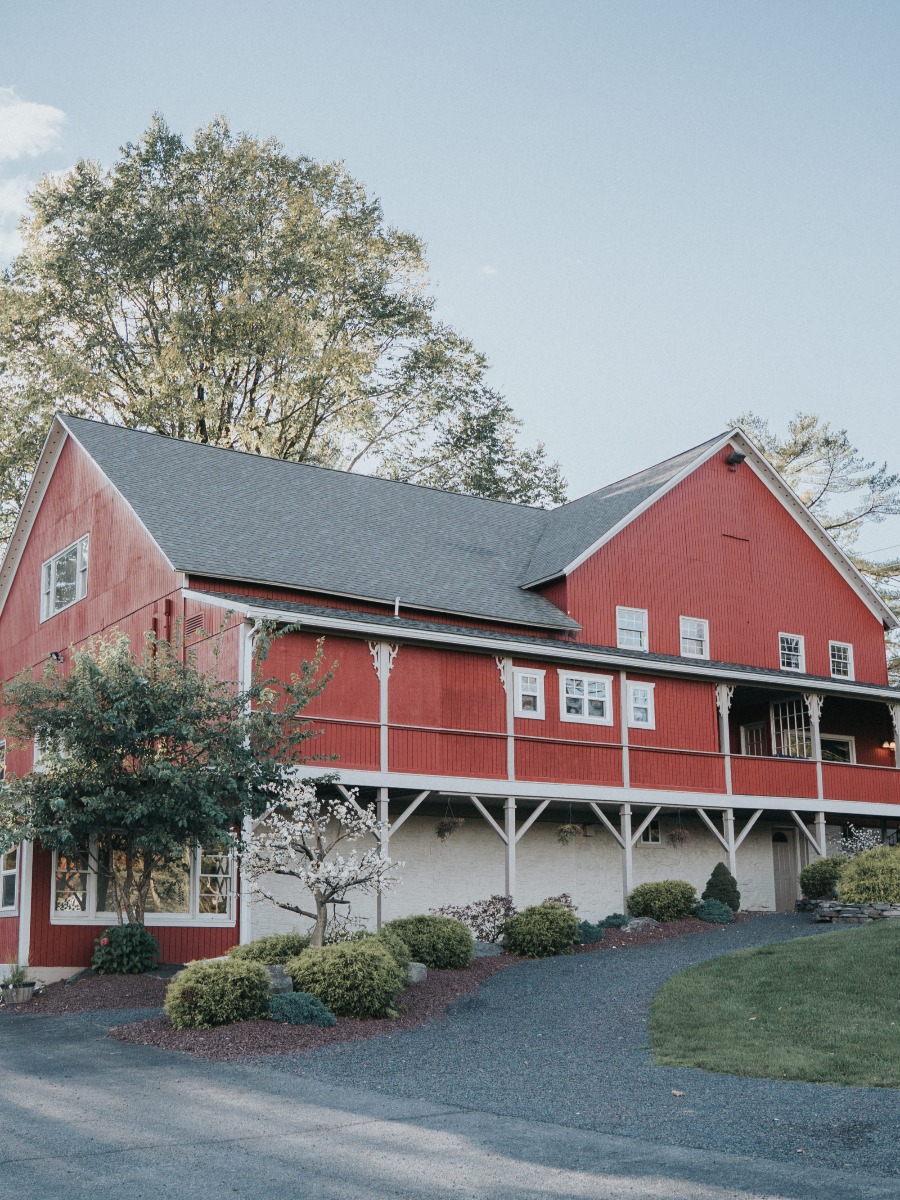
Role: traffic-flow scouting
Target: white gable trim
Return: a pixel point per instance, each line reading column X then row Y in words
column 789, row 500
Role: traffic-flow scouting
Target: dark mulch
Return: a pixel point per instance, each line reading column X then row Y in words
column 420, row 1004
column 96, row 992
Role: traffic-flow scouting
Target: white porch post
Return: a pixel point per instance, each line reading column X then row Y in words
column 627, row 855
column 730, row 848
column 724, row 693
column 623, row 736
column 813, row 702
column 820, row 834
column 246, row 649
column 509, row 814
column 895, row 722
column 383, row 838
column 26, row 862
column 504, row 666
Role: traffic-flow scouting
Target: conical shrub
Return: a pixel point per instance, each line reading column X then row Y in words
column 723, row 886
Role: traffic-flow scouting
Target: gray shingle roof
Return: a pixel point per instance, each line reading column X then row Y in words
column 230, row 515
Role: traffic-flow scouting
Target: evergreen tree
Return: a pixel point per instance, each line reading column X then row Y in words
column 722, row 886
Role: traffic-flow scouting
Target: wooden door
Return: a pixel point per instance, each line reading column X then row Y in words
column 784, row 856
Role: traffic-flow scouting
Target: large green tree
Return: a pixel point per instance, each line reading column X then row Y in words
column 224, row 291
column 847, row 493
column 142, row 756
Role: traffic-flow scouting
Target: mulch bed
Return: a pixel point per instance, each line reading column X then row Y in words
column 420, row 1003
column 96, row 992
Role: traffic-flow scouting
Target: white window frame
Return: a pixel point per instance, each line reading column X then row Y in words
column 48, row 576
column 647, row 838
column 10, row 910
column 681, row 634
column 802, row 727
column 848, row 646
column 650, row 705
column 849, row 738
column 645, row 630
column 519, row 673
column 194, row 917
column 801, row 670
column 585, row 678
column 745, row 739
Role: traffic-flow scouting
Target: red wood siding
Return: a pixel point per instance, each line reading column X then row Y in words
column 73, row 945
column 686, row 715
column 720, row 546
column 9, row 939
column 553, row 726
column 865, row 785
column 773, row 777
column 441, row 689
column 468, row 754
column 676, row 770
column 576, row 763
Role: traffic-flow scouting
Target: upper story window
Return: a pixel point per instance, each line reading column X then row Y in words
column 64, row 578
column 641, row 713
column 791, row 654
column 694, row 637
column 841, row 657
column 631, row 628
column 586, row 698
column 8, row 878
column 529, row 693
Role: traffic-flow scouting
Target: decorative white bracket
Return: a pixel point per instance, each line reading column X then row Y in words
column 501, row 667
column 387, row 660
column 895, row 718
column 813, row 702
column 724, row 693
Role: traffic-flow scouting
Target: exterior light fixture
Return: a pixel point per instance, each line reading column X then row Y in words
column 889, row 745
column 56, row 655
column 734, row 459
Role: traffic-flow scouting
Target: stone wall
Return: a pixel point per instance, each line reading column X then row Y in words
column 853, row 914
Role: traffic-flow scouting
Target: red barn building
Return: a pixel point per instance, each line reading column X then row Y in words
column 682, row 665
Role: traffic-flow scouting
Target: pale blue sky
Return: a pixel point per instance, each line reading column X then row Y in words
column 649, row 216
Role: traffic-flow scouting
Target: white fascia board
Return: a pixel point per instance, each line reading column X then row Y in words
column 585, row 794
column 37, row 489
column 569, row 652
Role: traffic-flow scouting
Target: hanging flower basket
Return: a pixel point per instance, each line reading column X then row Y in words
column 448, row 825
column 678, row 836
column 568, row 833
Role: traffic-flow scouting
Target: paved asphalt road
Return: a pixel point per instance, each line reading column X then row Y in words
column 83, row 1116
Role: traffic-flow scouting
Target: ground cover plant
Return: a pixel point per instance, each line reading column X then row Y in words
column 441, row 943
column 205, row 994
column 125, row 950
column 542, row 930
column 714, row 912
column 823, row 1009
column 298, row 1008
column 668, row 900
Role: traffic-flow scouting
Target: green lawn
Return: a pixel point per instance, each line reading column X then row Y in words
column 824, row 1009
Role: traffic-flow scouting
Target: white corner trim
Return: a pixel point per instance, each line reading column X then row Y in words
column 26, row 857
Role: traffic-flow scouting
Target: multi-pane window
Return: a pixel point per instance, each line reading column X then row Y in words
column 8, row 877
column 197, row 884
column 841, row 656
column 694, row 637
column 790, row 652
column 585, row 698
column 651, row 835
column 791, row 733
column 640, row 706
column 529, row 693
column 631, row 628
column 64, row 578
column 755, row 739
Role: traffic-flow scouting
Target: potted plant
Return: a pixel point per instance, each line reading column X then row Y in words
column 17, row 988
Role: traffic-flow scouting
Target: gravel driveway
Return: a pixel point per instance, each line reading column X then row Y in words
column 565, row 1040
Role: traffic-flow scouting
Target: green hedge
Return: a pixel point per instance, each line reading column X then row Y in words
column 541, row 931
column 819, row 880
column 872, row 877
column 668, row 900
column 272, row 950
column 125, row 950
column 441, row 943
column 359, row 978
column 205, row 994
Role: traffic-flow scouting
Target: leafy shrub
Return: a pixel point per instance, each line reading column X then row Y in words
column 715, row 912
column 353, row 979
column 205, row 994
column 272, row 950
column 485, row 918
column 615, row 921
column 872, row 877
column 723, row 887
column 541, row 930
column 125, row 950
column 820, row 878
column 298, row 1008
column 588, row 933
column 668, row 900
column 441, row 943
column 388, row 938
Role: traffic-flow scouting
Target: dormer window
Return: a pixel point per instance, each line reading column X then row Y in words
column 64, row 579
column 631, row 628
column 791, row 654
column 841, row 657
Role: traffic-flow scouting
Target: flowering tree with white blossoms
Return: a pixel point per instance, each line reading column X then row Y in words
column 298, row 837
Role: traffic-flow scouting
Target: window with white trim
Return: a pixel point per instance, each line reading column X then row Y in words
column 755, row 739
column 9, row 875
column 837, row 747
column 528, row 693
column 694, row 637
column 840, row 655
column 640, row 706
column 586, row 698
column 64, row 578
column 631, row 628
column 791, row 732
column 651, row 835
column 791, row 654
column 197, row 886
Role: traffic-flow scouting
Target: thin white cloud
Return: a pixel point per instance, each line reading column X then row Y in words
column 27, row 129
column 488, row 271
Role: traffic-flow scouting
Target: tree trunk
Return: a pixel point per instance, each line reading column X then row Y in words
column 317, row 937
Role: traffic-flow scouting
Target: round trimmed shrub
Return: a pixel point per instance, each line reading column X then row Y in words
column 298, row 1008
column 615, row 921
column 272, row 950
column 125, row 950
column 668, row 900
column 388, row 938
column 205, row 994
column 441, row 943
column 722, row 886
column 872, row 877
column 541, row 931
column 357, row 978
column 819, row 879
column 589, row 933
column 715, row 912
